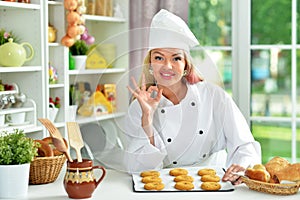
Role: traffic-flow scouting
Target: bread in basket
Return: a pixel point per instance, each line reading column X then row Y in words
column 277, row 176
column 272, row 188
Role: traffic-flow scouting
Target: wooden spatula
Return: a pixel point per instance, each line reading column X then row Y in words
column 57, row 139
column 75, row 138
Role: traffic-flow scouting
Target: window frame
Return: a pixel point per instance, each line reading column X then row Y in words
column 241, row 65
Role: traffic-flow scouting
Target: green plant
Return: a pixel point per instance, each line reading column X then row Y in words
column 16, row 148
column 79, row 48
column 4, row 36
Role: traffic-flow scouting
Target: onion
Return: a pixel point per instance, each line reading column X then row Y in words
column 84, row 36
column 90, row 40
column 67, row 41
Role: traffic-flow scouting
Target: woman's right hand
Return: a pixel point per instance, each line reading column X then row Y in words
column 143, row 95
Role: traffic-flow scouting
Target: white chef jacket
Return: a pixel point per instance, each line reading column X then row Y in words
column 206, row 121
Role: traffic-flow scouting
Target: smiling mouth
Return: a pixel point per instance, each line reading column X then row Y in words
column 167, row 75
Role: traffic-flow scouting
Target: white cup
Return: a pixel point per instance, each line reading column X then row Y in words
column 72, row 111
column 16, row 118
column 2, row 119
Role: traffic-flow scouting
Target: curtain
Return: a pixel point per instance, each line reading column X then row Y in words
column 141, row 13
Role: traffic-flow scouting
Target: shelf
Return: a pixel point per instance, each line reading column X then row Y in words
column 84, row 120
column 59, row 85
column 27, row 128
column 8, row 92
column 55, row 3
column 14, row 5
column 16, row 110
column 54, row 44
column 97, row 71
column 20, row 69
column 103, row 18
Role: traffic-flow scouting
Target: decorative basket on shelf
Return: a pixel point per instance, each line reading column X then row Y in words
column 45, row 169
column 272, row 188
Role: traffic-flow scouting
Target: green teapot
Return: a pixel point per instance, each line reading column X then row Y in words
column 15, row 55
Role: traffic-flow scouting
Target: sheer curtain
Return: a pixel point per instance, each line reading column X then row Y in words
column 141, row 13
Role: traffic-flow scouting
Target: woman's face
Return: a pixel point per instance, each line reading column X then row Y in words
column 168, row 65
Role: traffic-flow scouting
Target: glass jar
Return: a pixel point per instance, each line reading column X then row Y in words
column 91, row 7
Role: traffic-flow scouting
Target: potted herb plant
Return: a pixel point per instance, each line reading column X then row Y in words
column 79, row 52
column 16, row 153
column 5, row 35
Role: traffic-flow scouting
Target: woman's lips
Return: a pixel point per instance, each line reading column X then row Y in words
column 166, row 75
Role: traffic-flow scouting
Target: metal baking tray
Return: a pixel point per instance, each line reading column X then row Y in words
column 168, row 180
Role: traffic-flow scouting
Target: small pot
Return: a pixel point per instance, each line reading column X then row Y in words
column 51, row 34
column 7, row 101
column 20, row 99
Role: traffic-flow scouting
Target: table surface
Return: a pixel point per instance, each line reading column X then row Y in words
column 118, row 185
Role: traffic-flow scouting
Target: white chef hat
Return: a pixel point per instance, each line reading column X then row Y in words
column 170, row 31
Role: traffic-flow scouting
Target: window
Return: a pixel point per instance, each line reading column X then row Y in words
column 274, row 84
column 210, row 21
column 256, row 47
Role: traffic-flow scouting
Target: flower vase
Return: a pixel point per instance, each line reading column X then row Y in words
column 14, row 181
column 80, row 62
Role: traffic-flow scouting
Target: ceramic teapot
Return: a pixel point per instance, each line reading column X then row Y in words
column 15, row 55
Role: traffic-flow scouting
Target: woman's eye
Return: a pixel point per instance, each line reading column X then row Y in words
column 177, row 58
column 158, row 58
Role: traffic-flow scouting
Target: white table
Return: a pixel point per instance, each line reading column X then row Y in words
column 118, row 185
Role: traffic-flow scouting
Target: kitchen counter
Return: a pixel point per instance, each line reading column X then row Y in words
column 118, row 185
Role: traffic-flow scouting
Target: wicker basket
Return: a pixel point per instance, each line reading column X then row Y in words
column 272, row 188
column 45, row 169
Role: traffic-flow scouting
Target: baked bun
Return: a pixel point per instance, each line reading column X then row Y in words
column 258, row 172
column 289, row 173
column 56, row 152
column 44, row 150
column 275, row 165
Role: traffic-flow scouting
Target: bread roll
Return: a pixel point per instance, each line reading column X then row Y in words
column 275, row 165
column 258, row 172
column 289, row 173
column 56, row 152
column 44, row 150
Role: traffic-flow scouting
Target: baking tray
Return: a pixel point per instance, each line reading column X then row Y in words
column 168, row 180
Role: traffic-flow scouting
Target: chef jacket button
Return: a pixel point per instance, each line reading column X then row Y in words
column 162, row 111
column 204, row 155
column 200, row 132
column 193, row 103
column 169, row 140
column 174, row 162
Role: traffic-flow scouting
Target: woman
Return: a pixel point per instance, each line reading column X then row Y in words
column 177, row 118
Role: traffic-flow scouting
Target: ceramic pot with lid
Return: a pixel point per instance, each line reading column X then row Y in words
column 20, row 99
column 15, row 55
column 51, row 34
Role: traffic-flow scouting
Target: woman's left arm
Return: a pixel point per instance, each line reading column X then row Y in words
column 242, row 148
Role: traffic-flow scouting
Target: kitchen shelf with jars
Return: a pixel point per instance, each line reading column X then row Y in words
column 25, row 69
column 105, row 68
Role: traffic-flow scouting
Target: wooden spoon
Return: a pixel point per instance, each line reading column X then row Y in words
column 57, row 139
column 75, row 138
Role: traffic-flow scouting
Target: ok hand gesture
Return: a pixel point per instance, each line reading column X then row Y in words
column 144, row 97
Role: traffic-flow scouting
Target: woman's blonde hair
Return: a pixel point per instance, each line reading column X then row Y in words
column 192, row 76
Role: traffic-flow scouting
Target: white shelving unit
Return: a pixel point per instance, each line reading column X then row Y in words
column 33, row 77
column 108, row 30
column 56, row 55
column 26, row 22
